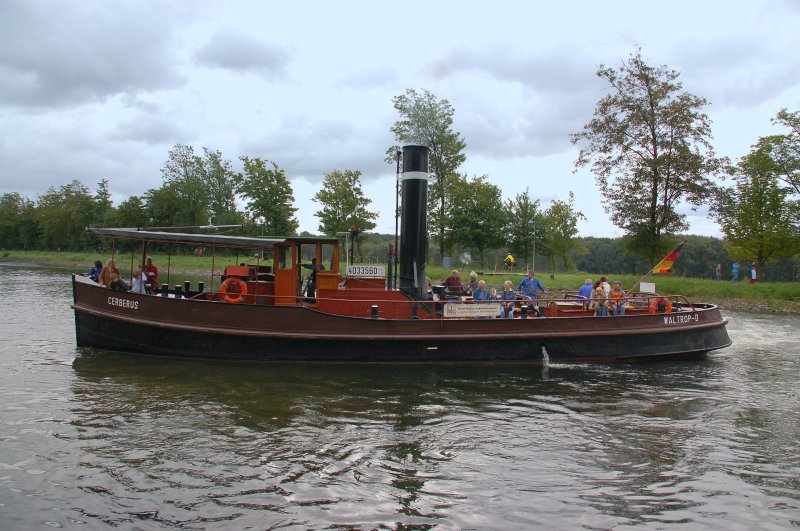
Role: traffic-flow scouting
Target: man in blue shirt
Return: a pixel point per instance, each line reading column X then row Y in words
column 481, row 294
column 530, row 286
column 585, row 293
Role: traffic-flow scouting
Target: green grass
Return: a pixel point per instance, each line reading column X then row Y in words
column 776, row 296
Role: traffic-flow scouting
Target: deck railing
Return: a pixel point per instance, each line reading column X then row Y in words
column 552, row 304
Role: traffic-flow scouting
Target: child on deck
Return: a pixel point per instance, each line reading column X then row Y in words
column 509, row 296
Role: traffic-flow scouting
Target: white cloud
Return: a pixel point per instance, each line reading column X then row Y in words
column 231, row 50
column 55, row 54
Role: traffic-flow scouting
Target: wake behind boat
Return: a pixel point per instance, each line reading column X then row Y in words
column 265, row 311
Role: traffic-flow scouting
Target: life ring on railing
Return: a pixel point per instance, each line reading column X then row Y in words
column 656, row 305
column 236, row 297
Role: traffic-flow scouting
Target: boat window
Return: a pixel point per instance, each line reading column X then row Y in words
column 284, row 257
column 327, row 256
column 306, row 252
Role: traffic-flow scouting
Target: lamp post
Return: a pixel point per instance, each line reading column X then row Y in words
column 533, row 260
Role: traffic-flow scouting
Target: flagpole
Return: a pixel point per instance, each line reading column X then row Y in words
column 650, row 272
column 652, row 269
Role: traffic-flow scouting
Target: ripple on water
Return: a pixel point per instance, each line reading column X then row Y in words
column 129, row 441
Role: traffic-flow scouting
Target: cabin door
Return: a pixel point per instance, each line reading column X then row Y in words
column 286, row 281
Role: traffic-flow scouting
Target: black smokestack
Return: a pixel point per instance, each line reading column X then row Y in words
column 414, row 221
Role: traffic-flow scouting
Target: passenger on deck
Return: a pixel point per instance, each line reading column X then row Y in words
column 117, row 283
column 585, row 293
column 473, row 282
column 453, row 283
column 152, row 274
column 606, row 285
column 509, row 297
column 311, row 286
column 617, row 299
column 599, row 300
column 94, row 273
column 480, row 293
column 139, row 282
column 108, row 270
column 530, row 286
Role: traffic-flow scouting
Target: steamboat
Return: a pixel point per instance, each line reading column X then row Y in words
column 261, row 308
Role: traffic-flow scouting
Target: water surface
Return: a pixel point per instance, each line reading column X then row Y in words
column 93, row 438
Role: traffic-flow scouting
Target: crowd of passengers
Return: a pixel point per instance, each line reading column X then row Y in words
column 599, row 297
column 144, row 279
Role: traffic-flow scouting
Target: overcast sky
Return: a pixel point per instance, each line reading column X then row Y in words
column 92, row 90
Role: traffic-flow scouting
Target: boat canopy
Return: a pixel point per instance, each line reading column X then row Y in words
column 220, row 240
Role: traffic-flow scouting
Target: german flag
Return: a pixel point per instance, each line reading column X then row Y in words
column 665, row 265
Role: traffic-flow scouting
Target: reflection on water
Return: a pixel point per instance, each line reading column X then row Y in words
column 95, row 436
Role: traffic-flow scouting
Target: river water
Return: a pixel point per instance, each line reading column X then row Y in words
column 91, row 439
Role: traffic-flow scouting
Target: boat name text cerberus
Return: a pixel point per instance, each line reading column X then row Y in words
column 123, row 303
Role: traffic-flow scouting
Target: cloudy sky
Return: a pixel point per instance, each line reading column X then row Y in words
column 103, row 89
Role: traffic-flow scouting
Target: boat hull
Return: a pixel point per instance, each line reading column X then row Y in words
column 202, row 329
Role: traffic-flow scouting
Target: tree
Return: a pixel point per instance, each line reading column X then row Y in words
column 785, row 149
column 561, row 222
column 343, row 203
column 525, row 221
column 203, row 186
column 219, row 178
column 63, row 215
column 130, row 213
column 756, row 215
column 164, row 207
column 478, row 217
column 428, row 121
column 269, row 196
column 649, row 146
column 183, row 181
column 18, row 226
column 103, row 205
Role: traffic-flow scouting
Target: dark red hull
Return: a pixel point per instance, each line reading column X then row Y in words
column 196, row 328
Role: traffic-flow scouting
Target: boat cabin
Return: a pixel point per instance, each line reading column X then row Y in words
column 275, row 271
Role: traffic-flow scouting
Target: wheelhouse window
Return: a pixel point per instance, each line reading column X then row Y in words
column 327, row 256
column 284, row 257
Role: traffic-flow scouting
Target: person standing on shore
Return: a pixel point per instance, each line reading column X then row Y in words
column 735, row 272
column 753, row 273
column 509, row 261
column 718, row 273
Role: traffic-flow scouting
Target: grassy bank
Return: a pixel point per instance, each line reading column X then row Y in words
column 783, row 297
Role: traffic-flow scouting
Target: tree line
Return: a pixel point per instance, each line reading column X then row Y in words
column 648, row 144
column 197, row 190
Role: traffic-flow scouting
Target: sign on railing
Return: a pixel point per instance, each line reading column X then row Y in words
column 647, row 287
column 366, row 271
column 472, row 310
